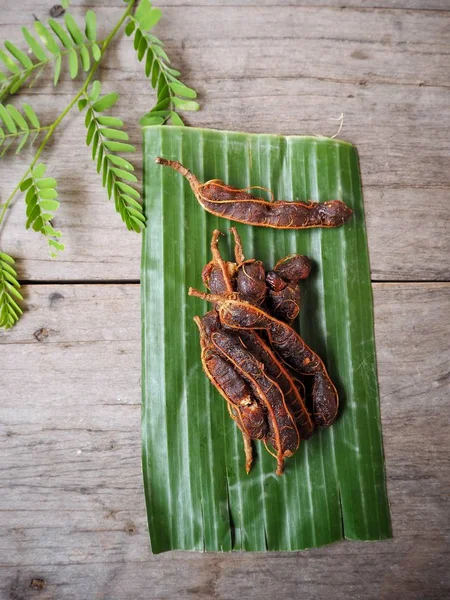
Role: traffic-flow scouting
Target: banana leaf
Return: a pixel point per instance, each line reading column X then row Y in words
column 198, row 495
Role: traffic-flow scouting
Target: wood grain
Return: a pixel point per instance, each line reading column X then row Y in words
column 282, row 67
column 72, row 517
column 71, row 505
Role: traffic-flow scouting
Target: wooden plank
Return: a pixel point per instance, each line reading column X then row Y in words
column 71, row 505
column 290, row 69
column 424, row 5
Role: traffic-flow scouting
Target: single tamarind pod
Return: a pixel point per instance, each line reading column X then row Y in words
column 248, row 277
column 324, row 396
column 283, row 298
column 293, row 268
column 279, row 373
column 218, row 275
column 242, row 405
column 288, row 344
column 239, row 205
column 284, row 290
column 251, row 282
column 283, row 432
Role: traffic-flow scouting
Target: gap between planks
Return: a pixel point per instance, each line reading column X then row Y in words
column 24, row 282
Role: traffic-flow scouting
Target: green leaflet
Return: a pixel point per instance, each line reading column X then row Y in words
column 41, row 204
column 16, row 129
column 171, row 93
column 10, row 310
column 106, row 136
column 49, row 43
column 197, row 493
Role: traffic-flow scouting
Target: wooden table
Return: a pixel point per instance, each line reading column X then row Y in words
column 71, row 503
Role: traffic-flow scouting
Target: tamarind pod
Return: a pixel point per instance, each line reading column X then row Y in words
column 293, row 268
column 242, row 405
column 218, row 274
column 288, row 344
column 283, row 432
column 251, row 282
column 283, row 298
column 284, row 291
column 324, row 396
column 238, row 205
column 276, row 371
column 223, row 277
column 213, row 277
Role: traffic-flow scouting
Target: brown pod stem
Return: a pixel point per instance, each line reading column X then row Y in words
column 239, row 205
column 242, row 405
column 283, row 432
column 279, row 373
column 288, row 344
column 218, row 275
column 238, row 252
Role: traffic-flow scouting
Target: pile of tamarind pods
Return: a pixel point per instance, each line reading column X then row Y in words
column 253, row 356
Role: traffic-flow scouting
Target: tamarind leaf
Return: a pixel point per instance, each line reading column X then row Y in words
column 171, row 93
column 57, row 71
column 20, row 56
column 96, row 52
column 85, row 58
column 176, row 119
column 73, row 29
column 106, row 135
column 41, row 205
column 198, row 495
column 34, row 45
column 182, row 90
column 19, row 126
column 73, row 64
column 10, row 311
column 185, row 104
column 105, row 102
column 59, row 39
column 91, row 25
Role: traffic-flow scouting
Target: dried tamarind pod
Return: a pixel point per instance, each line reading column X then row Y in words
column 250, row 274
column 218, row 275
column 251, row 282
column 293, row 268
column 242, row 405
column 247, row 277
column 239, row 205
column 283, row 298
column 288, row 344
column 323, row 396
column 276, row 371
column 283, row 432
column 284, row 291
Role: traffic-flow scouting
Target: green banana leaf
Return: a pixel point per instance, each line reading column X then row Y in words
column 197, row 493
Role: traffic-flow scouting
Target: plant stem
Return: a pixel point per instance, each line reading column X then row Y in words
column 71, row 104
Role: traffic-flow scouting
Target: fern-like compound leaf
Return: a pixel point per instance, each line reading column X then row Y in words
column 53, row 43
column 18, row 127
column 10, row 295
column 172, row 94
column 106, row 136
column 41, row 203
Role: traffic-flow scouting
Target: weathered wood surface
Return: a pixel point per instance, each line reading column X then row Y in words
column 282, row 66
column 71, row 503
